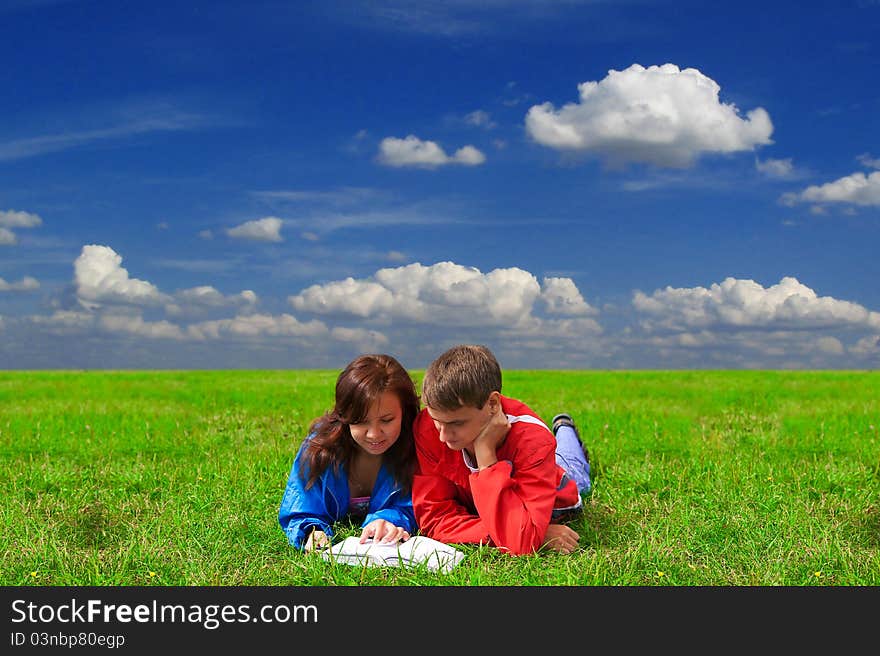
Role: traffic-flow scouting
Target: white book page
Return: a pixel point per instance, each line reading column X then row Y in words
column 418, row 550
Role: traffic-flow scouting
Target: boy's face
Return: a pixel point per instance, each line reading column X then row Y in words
column 459, row 428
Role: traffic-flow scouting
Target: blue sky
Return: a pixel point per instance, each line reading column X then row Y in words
column 576, row 184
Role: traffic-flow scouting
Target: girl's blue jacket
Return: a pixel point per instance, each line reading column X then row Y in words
column 327, row 501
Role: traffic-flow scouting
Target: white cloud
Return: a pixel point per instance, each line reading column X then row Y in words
column 135, row 325
column 26, row 284
column 265, row 229
column 65, row 321
column 205, row 297
column 358, row 298
column 367, row 340
column 68, row 322
column 741, row 349
column 866, row 160
column 857, row 189
column 444, row 294
column 869, row 345
column 412, row 151
column 745, row 304
column 104, row 286
column 14, row 219
column 474, row 20
column 258, row 325
column 830, row 345
column 421, row 309
column 480, row 119
column 551, row 331
column 418, row 214
column 210, row 297
column 148, row 119
column 343, row 196
column 661, row 115
column 561, row 296
column 100, row 278
column 106, row 295
column 469, row 156
column 775, row 168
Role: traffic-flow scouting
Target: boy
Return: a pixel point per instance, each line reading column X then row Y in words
column 488, row 469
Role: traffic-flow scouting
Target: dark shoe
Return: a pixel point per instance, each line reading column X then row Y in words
column 563, row 419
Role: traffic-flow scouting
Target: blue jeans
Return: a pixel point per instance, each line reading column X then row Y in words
column 570, row 456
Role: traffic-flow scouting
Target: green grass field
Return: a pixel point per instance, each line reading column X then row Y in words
column 701, row 478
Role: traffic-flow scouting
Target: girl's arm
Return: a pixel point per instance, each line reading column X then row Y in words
column 304, row 510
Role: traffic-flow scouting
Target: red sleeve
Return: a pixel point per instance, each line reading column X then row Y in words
column 439, row 513
column 515, row 498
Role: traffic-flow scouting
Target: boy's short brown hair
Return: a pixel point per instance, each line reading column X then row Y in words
column 464, row 375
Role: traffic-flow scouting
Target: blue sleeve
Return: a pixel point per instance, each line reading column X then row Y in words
column 391, row 504
column 303, row 509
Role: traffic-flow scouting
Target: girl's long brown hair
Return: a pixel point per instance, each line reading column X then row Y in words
column 358, row 387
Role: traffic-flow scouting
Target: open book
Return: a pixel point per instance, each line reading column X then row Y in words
column 418, row 550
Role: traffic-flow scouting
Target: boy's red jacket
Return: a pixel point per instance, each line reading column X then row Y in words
column 508, row 504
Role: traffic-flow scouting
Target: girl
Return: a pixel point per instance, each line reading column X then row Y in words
column 357, row 460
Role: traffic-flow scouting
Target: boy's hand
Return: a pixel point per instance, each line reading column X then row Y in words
column 490, row 438
column 316, row 540
column 383, row 532
column 561, row 538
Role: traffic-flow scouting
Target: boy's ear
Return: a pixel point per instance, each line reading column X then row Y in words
column 494, row 401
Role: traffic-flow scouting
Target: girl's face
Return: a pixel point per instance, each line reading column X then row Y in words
column 381, row 428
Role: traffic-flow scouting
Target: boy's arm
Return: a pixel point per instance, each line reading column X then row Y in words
column 442, row 518
column 515, row 499
column 438, row 512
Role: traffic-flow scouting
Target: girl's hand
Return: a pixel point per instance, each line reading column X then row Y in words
column 383, row 532
column 316, row 540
